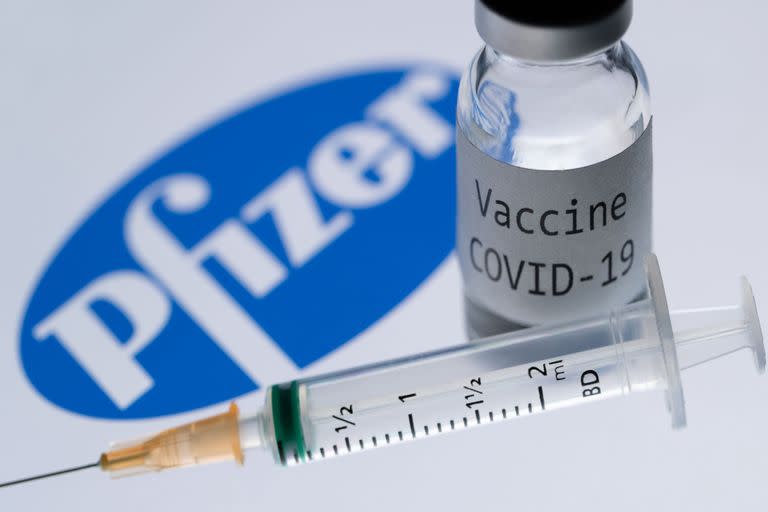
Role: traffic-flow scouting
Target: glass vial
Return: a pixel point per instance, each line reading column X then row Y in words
column 553, row 165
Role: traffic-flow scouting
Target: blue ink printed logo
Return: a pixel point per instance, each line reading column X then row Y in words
column 250, row 250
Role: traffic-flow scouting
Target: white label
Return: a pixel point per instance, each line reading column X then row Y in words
column 539, row 246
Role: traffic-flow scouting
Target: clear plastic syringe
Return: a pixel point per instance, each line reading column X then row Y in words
column 640, row 347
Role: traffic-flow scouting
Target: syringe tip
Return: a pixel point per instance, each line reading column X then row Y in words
column 46, row 475
column 209, row 440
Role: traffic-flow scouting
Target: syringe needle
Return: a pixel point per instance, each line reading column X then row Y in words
column 46, row 475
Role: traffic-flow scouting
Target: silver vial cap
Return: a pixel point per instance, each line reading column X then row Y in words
column 545, row 30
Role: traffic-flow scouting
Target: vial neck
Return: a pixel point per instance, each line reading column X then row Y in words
column 585, row 60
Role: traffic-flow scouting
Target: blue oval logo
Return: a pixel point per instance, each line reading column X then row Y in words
column 251, row 250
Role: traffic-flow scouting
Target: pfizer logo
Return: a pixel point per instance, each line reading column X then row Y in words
column 250, row 250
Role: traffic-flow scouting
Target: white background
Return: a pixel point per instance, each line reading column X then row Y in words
column 90, row 91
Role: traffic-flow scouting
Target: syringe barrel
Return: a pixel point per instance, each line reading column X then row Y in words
column 503, row 377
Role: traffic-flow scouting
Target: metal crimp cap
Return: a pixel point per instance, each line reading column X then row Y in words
column 552, row 30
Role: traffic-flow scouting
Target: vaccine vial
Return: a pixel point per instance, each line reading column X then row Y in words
column 553, row 165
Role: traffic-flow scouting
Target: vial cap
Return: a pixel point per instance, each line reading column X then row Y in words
column 548, row 30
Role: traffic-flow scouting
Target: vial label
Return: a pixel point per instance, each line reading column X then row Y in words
column 536, row 245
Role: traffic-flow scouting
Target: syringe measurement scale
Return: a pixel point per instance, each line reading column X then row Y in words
column 361, row 420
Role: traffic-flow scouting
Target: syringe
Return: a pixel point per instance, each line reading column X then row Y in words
column 639, row 347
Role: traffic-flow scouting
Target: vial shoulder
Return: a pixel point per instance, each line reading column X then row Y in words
column 554, row 116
